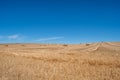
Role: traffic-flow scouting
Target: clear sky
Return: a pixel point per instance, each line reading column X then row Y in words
column 59, row 21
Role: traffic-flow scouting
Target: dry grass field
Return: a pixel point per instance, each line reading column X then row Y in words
column 95, row 61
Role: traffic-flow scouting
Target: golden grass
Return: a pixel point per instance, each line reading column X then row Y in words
column 58, row 62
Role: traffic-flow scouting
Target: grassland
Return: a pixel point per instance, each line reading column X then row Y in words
column 96, row 61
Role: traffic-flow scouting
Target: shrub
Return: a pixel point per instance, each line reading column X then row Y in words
column 23, row 45
column 6, row 45
column 65, row 45
column 87, row 44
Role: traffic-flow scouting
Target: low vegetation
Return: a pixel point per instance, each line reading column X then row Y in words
column 36, row 62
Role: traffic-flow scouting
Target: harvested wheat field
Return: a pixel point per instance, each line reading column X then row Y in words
column 95, row 61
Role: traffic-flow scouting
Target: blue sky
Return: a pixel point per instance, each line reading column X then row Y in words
column 59, row 21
